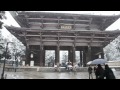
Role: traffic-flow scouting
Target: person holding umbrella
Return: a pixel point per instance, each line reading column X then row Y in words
column 95, row 67
column 99, row 72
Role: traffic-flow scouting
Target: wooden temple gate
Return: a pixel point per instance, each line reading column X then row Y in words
column 42, row 31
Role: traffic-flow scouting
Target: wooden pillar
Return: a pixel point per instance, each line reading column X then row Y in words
column 102, row 52
column 27, row 55
column 84, row 58
column 92, row 55
column 27, row 49
column 70, row 55
column 41, row 55
column 88, row 57
column 73, row 53
column 81, row 58
column 57, row 56
column 97, row 52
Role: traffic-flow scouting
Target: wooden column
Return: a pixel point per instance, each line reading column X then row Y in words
column 57, row 51
column 74, row 49
column 73, row 53
column 102, row 53
column 70, row 55
column 81, row 58
column 41, row 49
column 57, row 56
column 27, row 55
column 41, row 55
column 84, row 58
column 88, row 57
column 27, row 49
column 92, row 54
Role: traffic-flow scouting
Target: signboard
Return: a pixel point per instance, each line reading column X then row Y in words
column 66, row 27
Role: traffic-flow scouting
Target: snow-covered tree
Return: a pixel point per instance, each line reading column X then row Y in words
column 49, row 57
column 65, row 57
column 17, row 49
column 1, row 45
column 2, row 16
column 112, row 51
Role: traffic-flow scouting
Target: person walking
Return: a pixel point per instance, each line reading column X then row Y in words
column 99, row 72
column 90, row 72
column 95, row 67
column 108, row 73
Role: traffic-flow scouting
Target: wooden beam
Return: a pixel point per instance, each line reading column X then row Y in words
column 38, row 24
column 77, row 41
column 56, row 19
column 57, row 30
column 72, row 41
column 64, row 44
column 61, row 36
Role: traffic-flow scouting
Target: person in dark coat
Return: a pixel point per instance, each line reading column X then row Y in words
column 108, row 73
column 99, row 72
column 90, row 72
column 95, row 67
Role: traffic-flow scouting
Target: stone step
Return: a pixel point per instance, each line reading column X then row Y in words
column 50, row 69
column 44, row 69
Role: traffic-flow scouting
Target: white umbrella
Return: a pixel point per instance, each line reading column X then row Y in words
column 89, row 62
column 99, row 61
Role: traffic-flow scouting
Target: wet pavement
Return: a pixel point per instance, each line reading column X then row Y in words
column 52, row 75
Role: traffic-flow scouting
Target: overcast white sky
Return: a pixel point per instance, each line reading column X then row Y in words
column 114, row 26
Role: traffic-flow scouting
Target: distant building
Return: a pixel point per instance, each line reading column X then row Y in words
column 42, row 31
